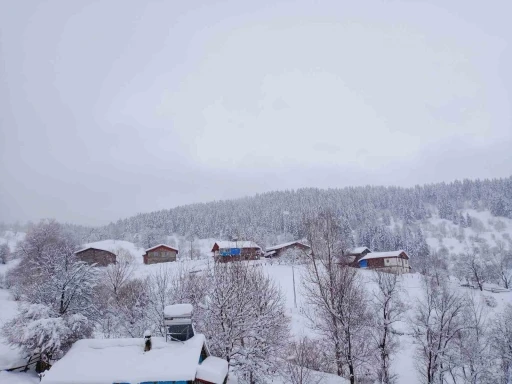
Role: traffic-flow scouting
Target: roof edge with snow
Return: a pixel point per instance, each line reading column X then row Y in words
column 162, row 245
column 380, row 255
column 279, row 246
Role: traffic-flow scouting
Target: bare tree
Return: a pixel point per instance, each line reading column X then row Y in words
column 389, row 310
column 131, row 308
column 245, row 320
column 301, row 361
column 118, row 274
column 473, row 344
column 338, row 307
column 437, row 322
column 172, row 286
column 5, row 253
column 434, row 264
column 472, row 267
column 501, row 345
column 501, row 261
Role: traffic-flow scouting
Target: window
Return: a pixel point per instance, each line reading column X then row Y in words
column 180, row 332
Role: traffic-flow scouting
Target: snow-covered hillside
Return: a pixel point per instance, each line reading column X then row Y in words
column 283, row 275
column 440, row 234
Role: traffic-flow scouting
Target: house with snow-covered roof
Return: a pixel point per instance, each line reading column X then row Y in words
column 105, row 252
column 161, row 253
column 279, row 249
column 181, row 357
column 98, row 255
column 391, row 261
column 353, row 256
column 236, row 250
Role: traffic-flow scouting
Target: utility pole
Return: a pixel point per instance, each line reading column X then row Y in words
column 293, row 276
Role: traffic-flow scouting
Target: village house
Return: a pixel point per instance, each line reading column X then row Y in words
column 181, row 357
column 278, row 250
column 353, row 256
column 160, row 253
column 97, row 255
column 392, row 261
column 236, row 250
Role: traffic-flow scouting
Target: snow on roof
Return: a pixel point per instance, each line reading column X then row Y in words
column 178, row 310
column 212, row 369
column 279, row 246
column 112, row 246
column 379, row 255
column 107, row 361
column 358, row 250
column 161, row 245
column 237, row 244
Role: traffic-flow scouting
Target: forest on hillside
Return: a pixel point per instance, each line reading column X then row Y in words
column 383, row 218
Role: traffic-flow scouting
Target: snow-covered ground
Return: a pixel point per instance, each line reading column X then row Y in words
column 439, row 233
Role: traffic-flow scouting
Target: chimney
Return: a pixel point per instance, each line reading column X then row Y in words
column 147, row 341
column 178, row 322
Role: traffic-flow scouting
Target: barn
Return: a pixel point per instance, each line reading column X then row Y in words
column 236, row 250
column 96, row 255
column 353, row 256
column 278, row 250
column 160, row 253
column 391, row 261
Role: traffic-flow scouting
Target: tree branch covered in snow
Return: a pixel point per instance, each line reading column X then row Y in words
column 245, row 320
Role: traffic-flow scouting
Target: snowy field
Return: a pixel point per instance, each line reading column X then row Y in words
column 440, row 233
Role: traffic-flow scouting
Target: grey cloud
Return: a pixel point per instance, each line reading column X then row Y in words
column 112, row 108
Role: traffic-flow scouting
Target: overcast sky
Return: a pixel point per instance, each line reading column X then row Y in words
column 110, row 108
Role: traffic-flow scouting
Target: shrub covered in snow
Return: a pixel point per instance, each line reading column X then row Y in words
column 39, row 329
column 490, row 301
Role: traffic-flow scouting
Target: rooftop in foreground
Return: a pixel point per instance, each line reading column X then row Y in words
column 107, row 361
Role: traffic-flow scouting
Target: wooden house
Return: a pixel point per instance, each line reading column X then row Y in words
column 353, row 256
column 236, row 250
column 392, row 261
column 160, row 253
column 278, row 250
column 97, row 255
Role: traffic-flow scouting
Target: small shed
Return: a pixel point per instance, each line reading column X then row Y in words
column 96, row 255
column 391, row 261
column 279, row 249
column 236, row 250
column 160, row 253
